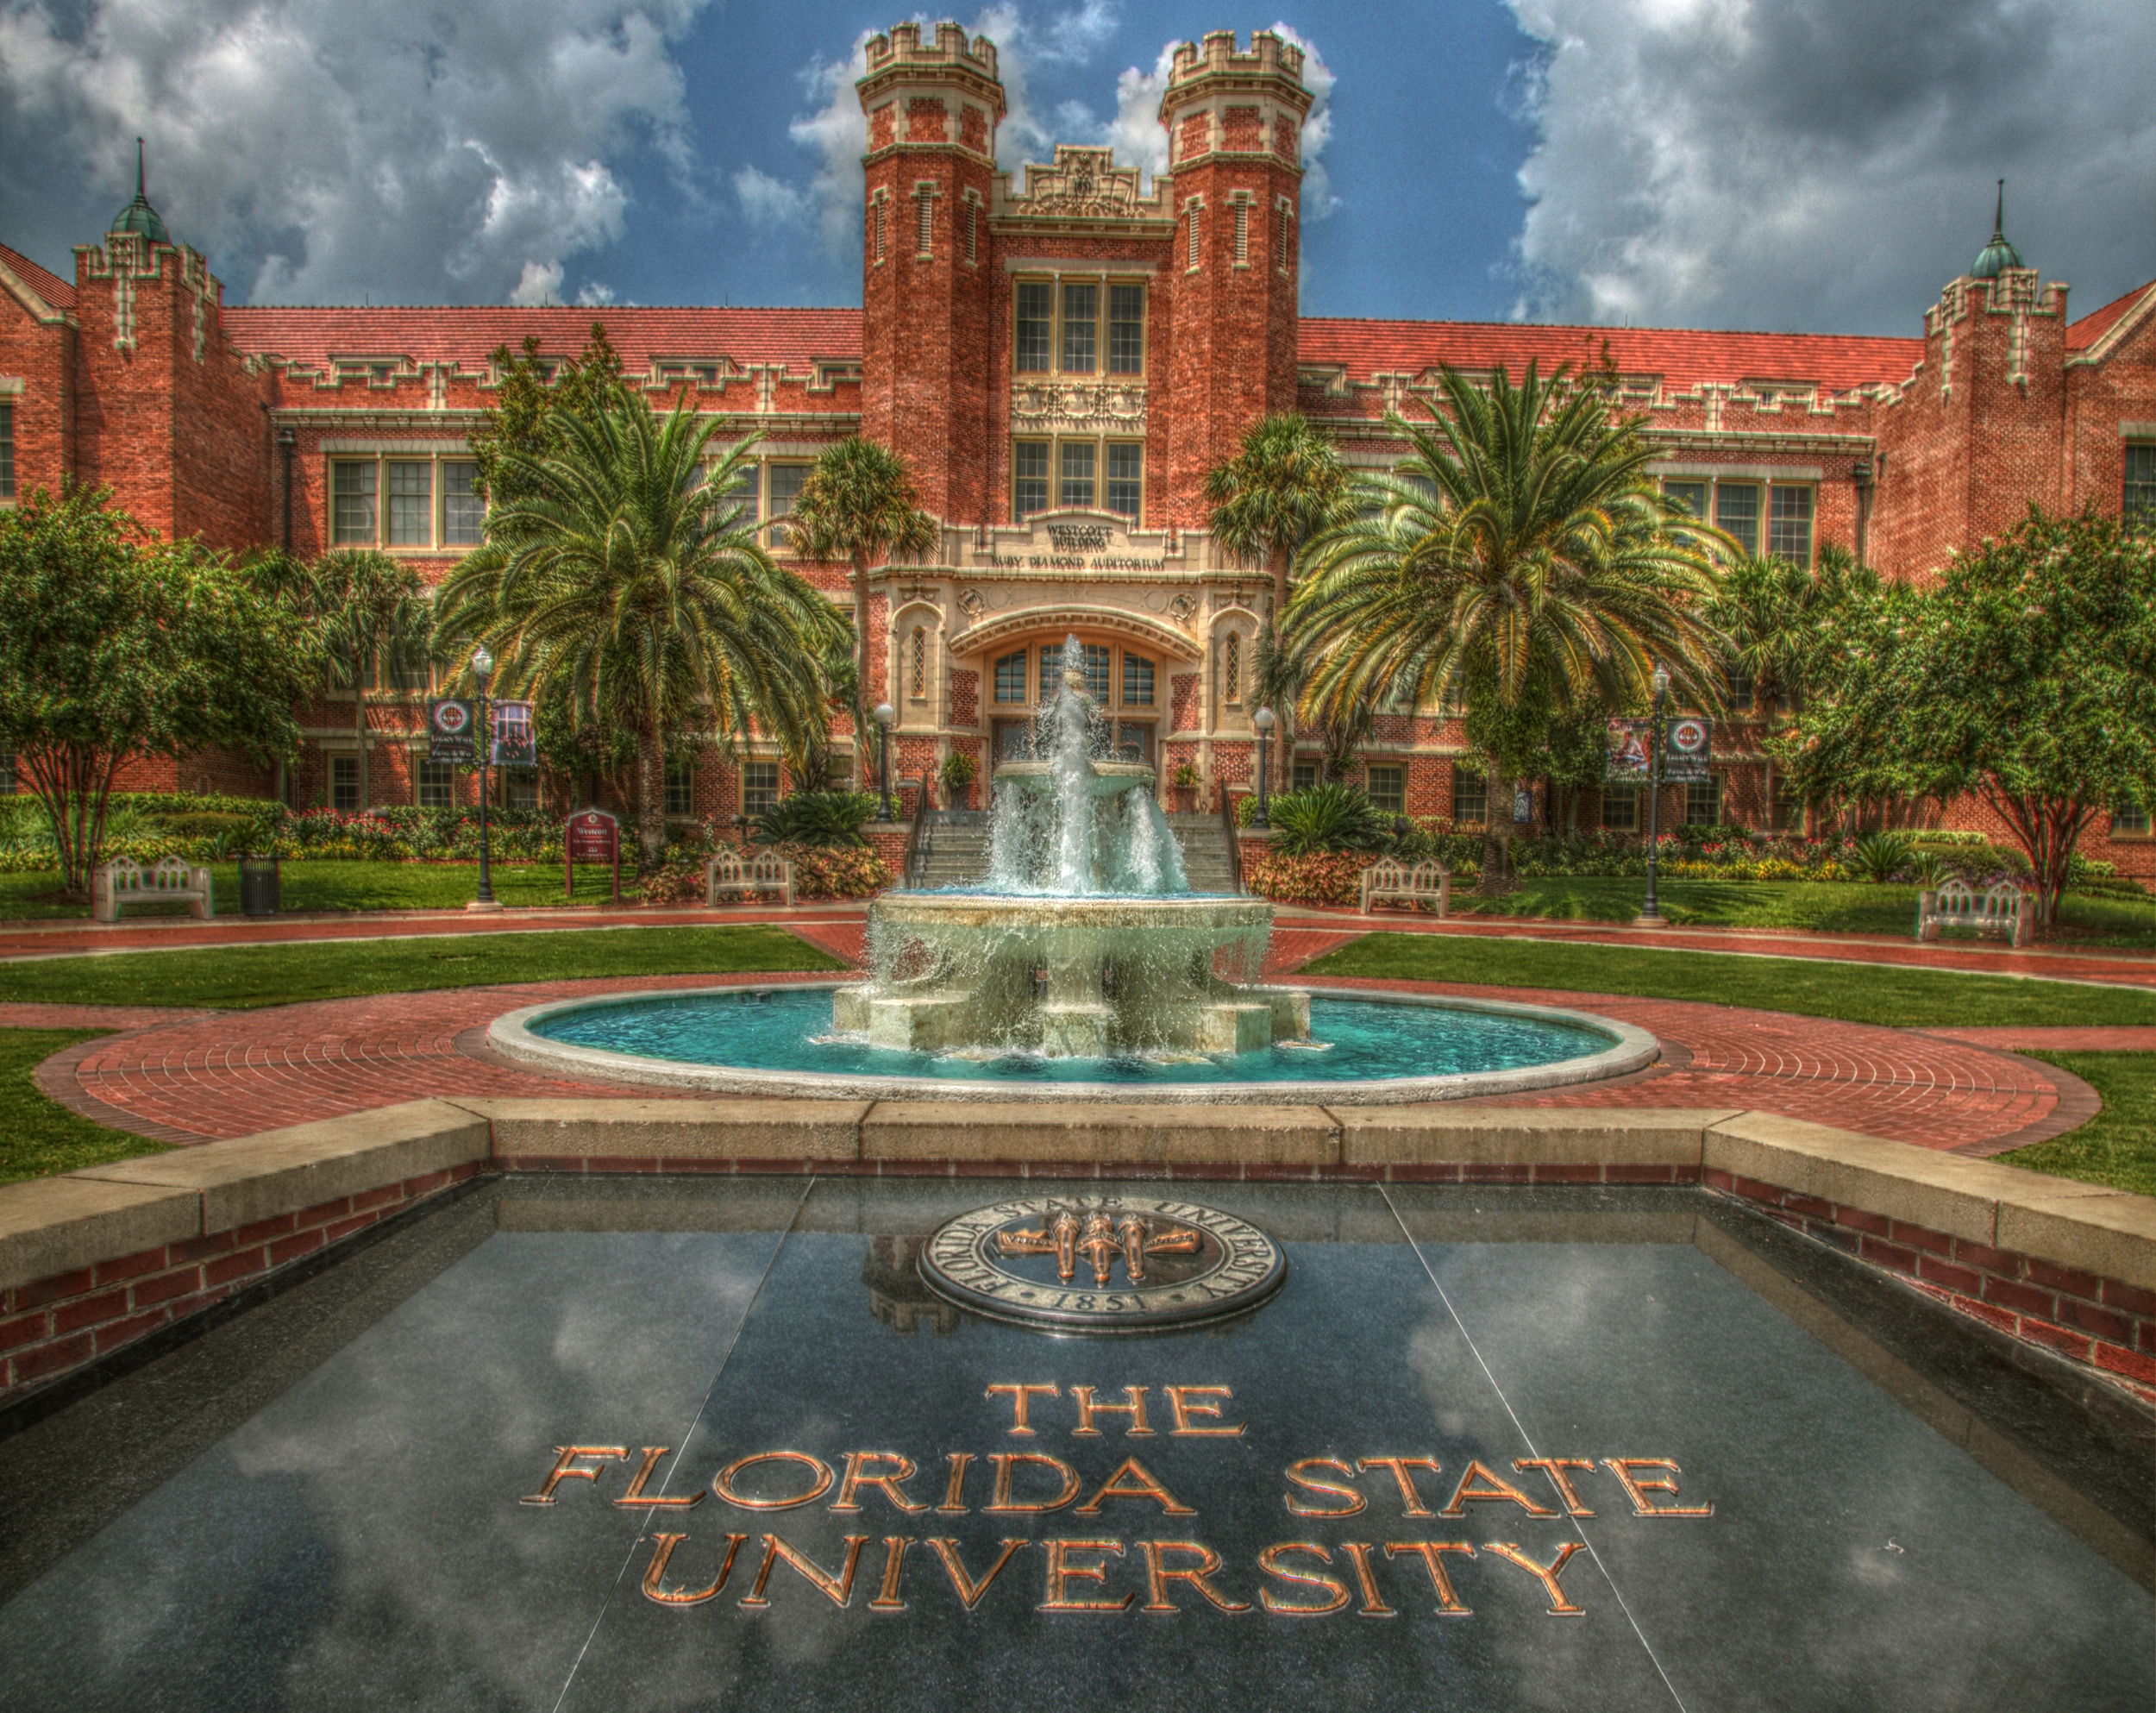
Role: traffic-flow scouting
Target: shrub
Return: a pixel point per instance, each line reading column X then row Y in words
column 1330, row 817
column 958, row 770
column 674, row 882
column 1319, row 877
column 822, row 872
column 1879, row 856
column 828, row 820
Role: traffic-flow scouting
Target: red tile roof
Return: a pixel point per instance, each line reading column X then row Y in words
column 466, row 336
column 47, row 285
column 2082, row 334
column 1683, row 358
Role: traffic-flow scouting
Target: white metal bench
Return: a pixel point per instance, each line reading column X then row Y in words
column 2004, row 909
column 173, row 881
column 728, row 874
column 1389, row 880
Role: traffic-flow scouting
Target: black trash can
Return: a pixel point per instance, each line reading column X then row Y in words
column 258, row 885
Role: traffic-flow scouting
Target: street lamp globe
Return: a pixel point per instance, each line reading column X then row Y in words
column 482, row 663
column 1263, row 719
column 886, row 713
column 1661, row 680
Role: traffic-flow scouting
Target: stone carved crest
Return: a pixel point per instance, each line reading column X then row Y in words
column 1083, row 182
column 1115, row 407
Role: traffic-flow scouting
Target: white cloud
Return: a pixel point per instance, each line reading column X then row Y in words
column 318, row 152
column 1829, row 165
column 595, row 294
column 1317, row 199
column 1136, row 133
column 838, row 132
column 767, row 201
column 540, row 284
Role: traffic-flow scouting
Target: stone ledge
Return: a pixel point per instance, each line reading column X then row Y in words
column 249, row 1178
column 50, row 1225
column 672, row 1129
column 1106, row 1132
column 1470, row 1135
column 2085, row 1226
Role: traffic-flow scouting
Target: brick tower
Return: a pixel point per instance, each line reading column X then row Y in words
column 1234, row 126
column 926, row 291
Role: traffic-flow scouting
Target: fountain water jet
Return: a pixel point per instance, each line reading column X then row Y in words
column 1086, row 941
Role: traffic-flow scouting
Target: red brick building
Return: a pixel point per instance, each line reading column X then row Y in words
column 1061, row 354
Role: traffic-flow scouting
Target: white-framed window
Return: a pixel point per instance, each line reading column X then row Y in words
column 1620, row 808
column 1737, row 513
column 1099, row 664
column 1029, row 479
column 7, row 448
column 1009, row 678
column 520, row 788
column 2129, row 822
column 1138, row 681
column 1790, row 523
column 747, row 492
column 681, row 788
column 405, row 502
column 1124, row 490
column 344, row 783
column 1076, row 463
column 1470, row 798
column 1703, row 801
column 438, row 785
column 759, row 787
column 1385, row 783
column 1691, row 496
column 786, row 481
column 1079, row 326
column 2137, row 497
column 1303, row 776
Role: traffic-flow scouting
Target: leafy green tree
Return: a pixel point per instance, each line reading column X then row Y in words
column 1285, row 486
column 115, row 646
column 620, row 577
column 376, row 620
column 535, row 396
column 858, row 507
column 2026, row 677
column 1517, row 563
column 1774, row 614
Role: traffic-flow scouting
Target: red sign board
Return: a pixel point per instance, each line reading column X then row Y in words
column 590, row 836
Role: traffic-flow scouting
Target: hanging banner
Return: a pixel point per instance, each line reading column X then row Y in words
column 1688, row 749
column 1627, row 763
column 449, row 731
column 514, row 744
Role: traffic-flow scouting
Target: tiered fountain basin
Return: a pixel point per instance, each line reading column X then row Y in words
column 1368, row 1049
column 1073, row 977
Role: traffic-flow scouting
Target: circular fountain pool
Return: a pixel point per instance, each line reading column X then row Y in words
column 1363, row 1049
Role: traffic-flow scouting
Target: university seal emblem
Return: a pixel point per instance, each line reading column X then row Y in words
column 1101, row 1264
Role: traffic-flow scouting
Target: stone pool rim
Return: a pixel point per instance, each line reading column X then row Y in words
column 1630, row 1049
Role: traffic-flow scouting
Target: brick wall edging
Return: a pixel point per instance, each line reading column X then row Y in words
column 94, row 1260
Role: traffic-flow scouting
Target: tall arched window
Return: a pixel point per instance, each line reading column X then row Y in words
column 1231, row 670
column 917, row 675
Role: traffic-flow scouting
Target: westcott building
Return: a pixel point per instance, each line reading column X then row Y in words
column 1061, row 356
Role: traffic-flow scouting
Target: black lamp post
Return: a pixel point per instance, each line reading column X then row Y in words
column 1263, row 719
column 884, row 715
column 482, row 670
column 1652, row 916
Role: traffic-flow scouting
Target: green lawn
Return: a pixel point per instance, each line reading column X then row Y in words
column 1861, row 994
column 2117, row 1146
column 38, row 1136
column 242, row 977
column 339, row 885
column 1825, row 906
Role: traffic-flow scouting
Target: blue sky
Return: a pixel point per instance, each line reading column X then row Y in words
column 1807, row 165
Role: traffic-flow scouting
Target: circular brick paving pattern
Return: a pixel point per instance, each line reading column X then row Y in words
column 199, row 1077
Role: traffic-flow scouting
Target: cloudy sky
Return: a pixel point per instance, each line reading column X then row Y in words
column 1813, row 165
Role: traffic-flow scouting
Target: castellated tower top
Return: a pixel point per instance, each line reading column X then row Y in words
column 902, row 49
column 1270, row 57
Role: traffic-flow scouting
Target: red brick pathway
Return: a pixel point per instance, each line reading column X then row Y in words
column 206, row 1075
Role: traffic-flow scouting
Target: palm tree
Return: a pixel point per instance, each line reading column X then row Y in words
column 1771, row 610
column 1285, row 486
column 1519, row 561
column 374, row 612
column 618, row 575
column 857, row 506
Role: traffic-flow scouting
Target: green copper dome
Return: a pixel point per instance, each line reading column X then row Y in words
column 138, row 216
column 1998, row 255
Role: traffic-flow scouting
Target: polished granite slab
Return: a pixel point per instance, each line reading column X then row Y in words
column 1487, row 1447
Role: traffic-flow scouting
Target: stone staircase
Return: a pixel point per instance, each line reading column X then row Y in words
column 957, row 848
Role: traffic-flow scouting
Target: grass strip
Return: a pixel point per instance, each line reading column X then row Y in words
column 2118, row 1145
column 337, row 884
column 38, row 1135
column 1888, row 994
column 243, row 977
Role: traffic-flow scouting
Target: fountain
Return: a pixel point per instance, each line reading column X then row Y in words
column 1086, row 941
